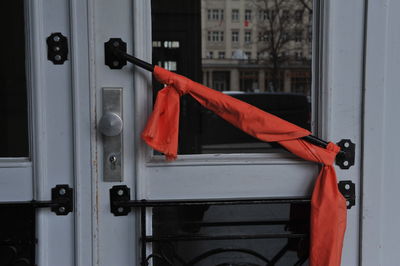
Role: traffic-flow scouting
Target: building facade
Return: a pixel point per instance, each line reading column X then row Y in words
column 257, row 45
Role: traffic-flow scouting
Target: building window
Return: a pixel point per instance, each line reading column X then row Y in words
column 215, row 14
column 285, row 36
column 215, row 36
column 248, row 55
column 298, row 36
column 235, row 36
column 263, row 15
column 298, row 15
column 264, row 36
column 247, row 15
column 210, row 54
column 235, row 14
column 247, row 37
column 221, row 55
column 298, row 55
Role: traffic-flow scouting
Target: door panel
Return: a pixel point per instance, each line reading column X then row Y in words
column 50, row 160
column 275, row 175
column 223, row 181
column 337, row 75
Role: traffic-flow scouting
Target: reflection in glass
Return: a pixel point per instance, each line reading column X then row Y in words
column 259, row 51
column 13, row 95
column 246, row 234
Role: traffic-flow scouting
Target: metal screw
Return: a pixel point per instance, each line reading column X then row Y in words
column 346, row 144
column 56, row 38
column 62, row 191
column 345, row 163
column 57, row 57
column 120, row 209
column 56, row 48
column 113, row 159
column 347, row 203
column 115, row 44
column 347, row 186
column 61, row 209
column 115, row 63
column 120, row 192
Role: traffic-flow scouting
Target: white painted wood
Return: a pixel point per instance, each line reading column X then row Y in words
column 342, row 98
column 16, row 181
column 373, row 153
column 114, row 238
column 51, row 127
column 79, row 54
column 380, row 165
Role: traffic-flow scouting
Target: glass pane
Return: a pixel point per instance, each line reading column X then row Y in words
column 259, row 51
column 13, row 93
column 241, row 235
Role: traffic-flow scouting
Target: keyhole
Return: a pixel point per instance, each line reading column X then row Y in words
column 113, row 160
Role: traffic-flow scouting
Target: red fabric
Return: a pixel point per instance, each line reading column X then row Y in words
column 328, row 206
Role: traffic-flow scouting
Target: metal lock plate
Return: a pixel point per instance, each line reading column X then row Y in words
column 111, row 127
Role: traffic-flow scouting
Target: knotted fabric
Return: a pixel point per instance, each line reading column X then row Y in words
column 328, row 206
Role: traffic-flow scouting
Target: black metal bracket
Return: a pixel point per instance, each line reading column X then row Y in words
column 121, row 203
column 111, row 58
column 120, row 194
column 348, row 190
column 62, row 201
column 57, row 48
column 346, row 159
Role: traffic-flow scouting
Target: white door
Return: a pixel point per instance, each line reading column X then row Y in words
column 320, row 65
column 45, row 139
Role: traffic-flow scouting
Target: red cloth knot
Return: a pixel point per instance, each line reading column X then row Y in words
column 178, row 82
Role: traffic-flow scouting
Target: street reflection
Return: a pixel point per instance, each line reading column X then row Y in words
column 259, row 51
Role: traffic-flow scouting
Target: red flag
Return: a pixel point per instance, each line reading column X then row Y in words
column 246, row 23
column 328, row 206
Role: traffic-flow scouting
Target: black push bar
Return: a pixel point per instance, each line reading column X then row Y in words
column 116, row 57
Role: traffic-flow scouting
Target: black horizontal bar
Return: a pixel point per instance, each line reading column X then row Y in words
column 233, row 223
column 136, row 61
column 170, row 203
column 32, row 203
column 167, row 238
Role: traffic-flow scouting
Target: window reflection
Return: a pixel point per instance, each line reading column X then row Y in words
column 13, row 92
column 241, row 48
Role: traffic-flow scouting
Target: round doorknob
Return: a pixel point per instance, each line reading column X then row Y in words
column 110, row 124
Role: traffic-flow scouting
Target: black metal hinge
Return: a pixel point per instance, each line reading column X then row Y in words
column 348, row 190
column 61, row 203
column 57, row 48
column 345, row 159
column 121, row 203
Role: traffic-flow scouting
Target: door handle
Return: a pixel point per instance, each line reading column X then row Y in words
column 110, row 124
column 111, row 127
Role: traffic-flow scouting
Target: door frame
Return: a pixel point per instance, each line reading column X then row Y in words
column 61, row 238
